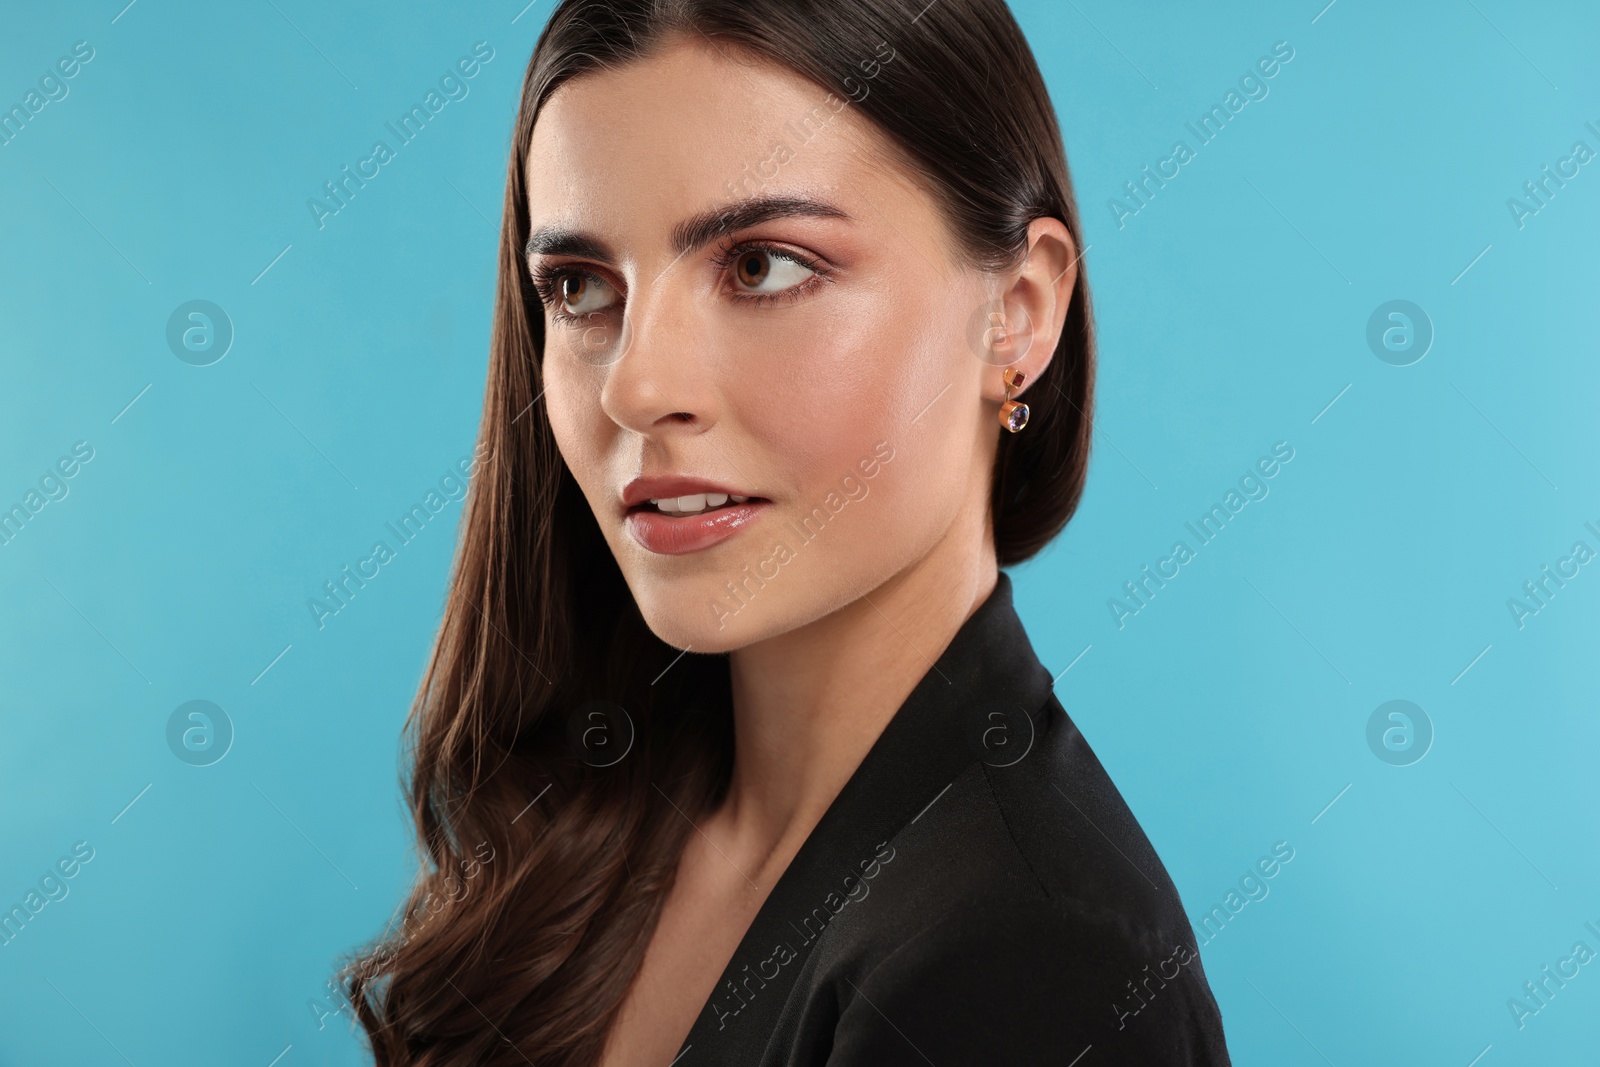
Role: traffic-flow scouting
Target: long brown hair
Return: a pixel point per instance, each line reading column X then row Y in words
column 546, row 857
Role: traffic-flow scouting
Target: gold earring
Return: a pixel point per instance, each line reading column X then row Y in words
column 1013, row 413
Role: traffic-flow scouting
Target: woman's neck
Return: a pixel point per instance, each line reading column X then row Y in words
column 809, row 703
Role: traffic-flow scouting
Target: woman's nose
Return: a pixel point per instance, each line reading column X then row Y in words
column 660, row 372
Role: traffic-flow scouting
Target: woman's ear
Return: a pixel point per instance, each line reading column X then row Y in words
column 1026, row 316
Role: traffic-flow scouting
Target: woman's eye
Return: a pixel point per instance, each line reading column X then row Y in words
column 581, row 294
column 759, row 271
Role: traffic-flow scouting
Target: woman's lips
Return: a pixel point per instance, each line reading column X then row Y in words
column 670, row 535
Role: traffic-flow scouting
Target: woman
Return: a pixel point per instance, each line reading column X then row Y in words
column 733, row 749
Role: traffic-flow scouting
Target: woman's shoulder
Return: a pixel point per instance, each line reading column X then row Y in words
column 1026, row 981
column 1044, row 827
column 1071, row 827
column 1022, row 911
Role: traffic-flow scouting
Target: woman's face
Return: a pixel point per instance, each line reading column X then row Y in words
column 748, row 295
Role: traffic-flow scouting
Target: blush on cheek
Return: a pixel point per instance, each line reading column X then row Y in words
column 839, row 384
column 897, row 381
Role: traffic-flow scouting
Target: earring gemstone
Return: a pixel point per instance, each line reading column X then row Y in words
column 1014, row 415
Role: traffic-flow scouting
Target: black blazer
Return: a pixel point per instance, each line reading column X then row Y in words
column 977, row 894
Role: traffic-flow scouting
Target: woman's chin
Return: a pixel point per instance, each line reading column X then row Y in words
column 706, row 617
column 698, row 625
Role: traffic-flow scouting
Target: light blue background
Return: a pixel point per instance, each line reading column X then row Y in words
column 1232, row 311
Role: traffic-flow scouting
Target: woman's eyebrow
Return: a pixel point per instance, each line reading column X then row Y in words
column 694, row 232
column 554, row 241
column 700, row 230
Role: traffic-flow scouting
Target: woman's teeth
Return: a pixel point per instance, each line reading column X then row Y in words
column 696, row 502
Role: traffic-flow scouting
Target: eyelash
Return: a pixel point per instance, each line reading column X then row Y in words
column 547, row 278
